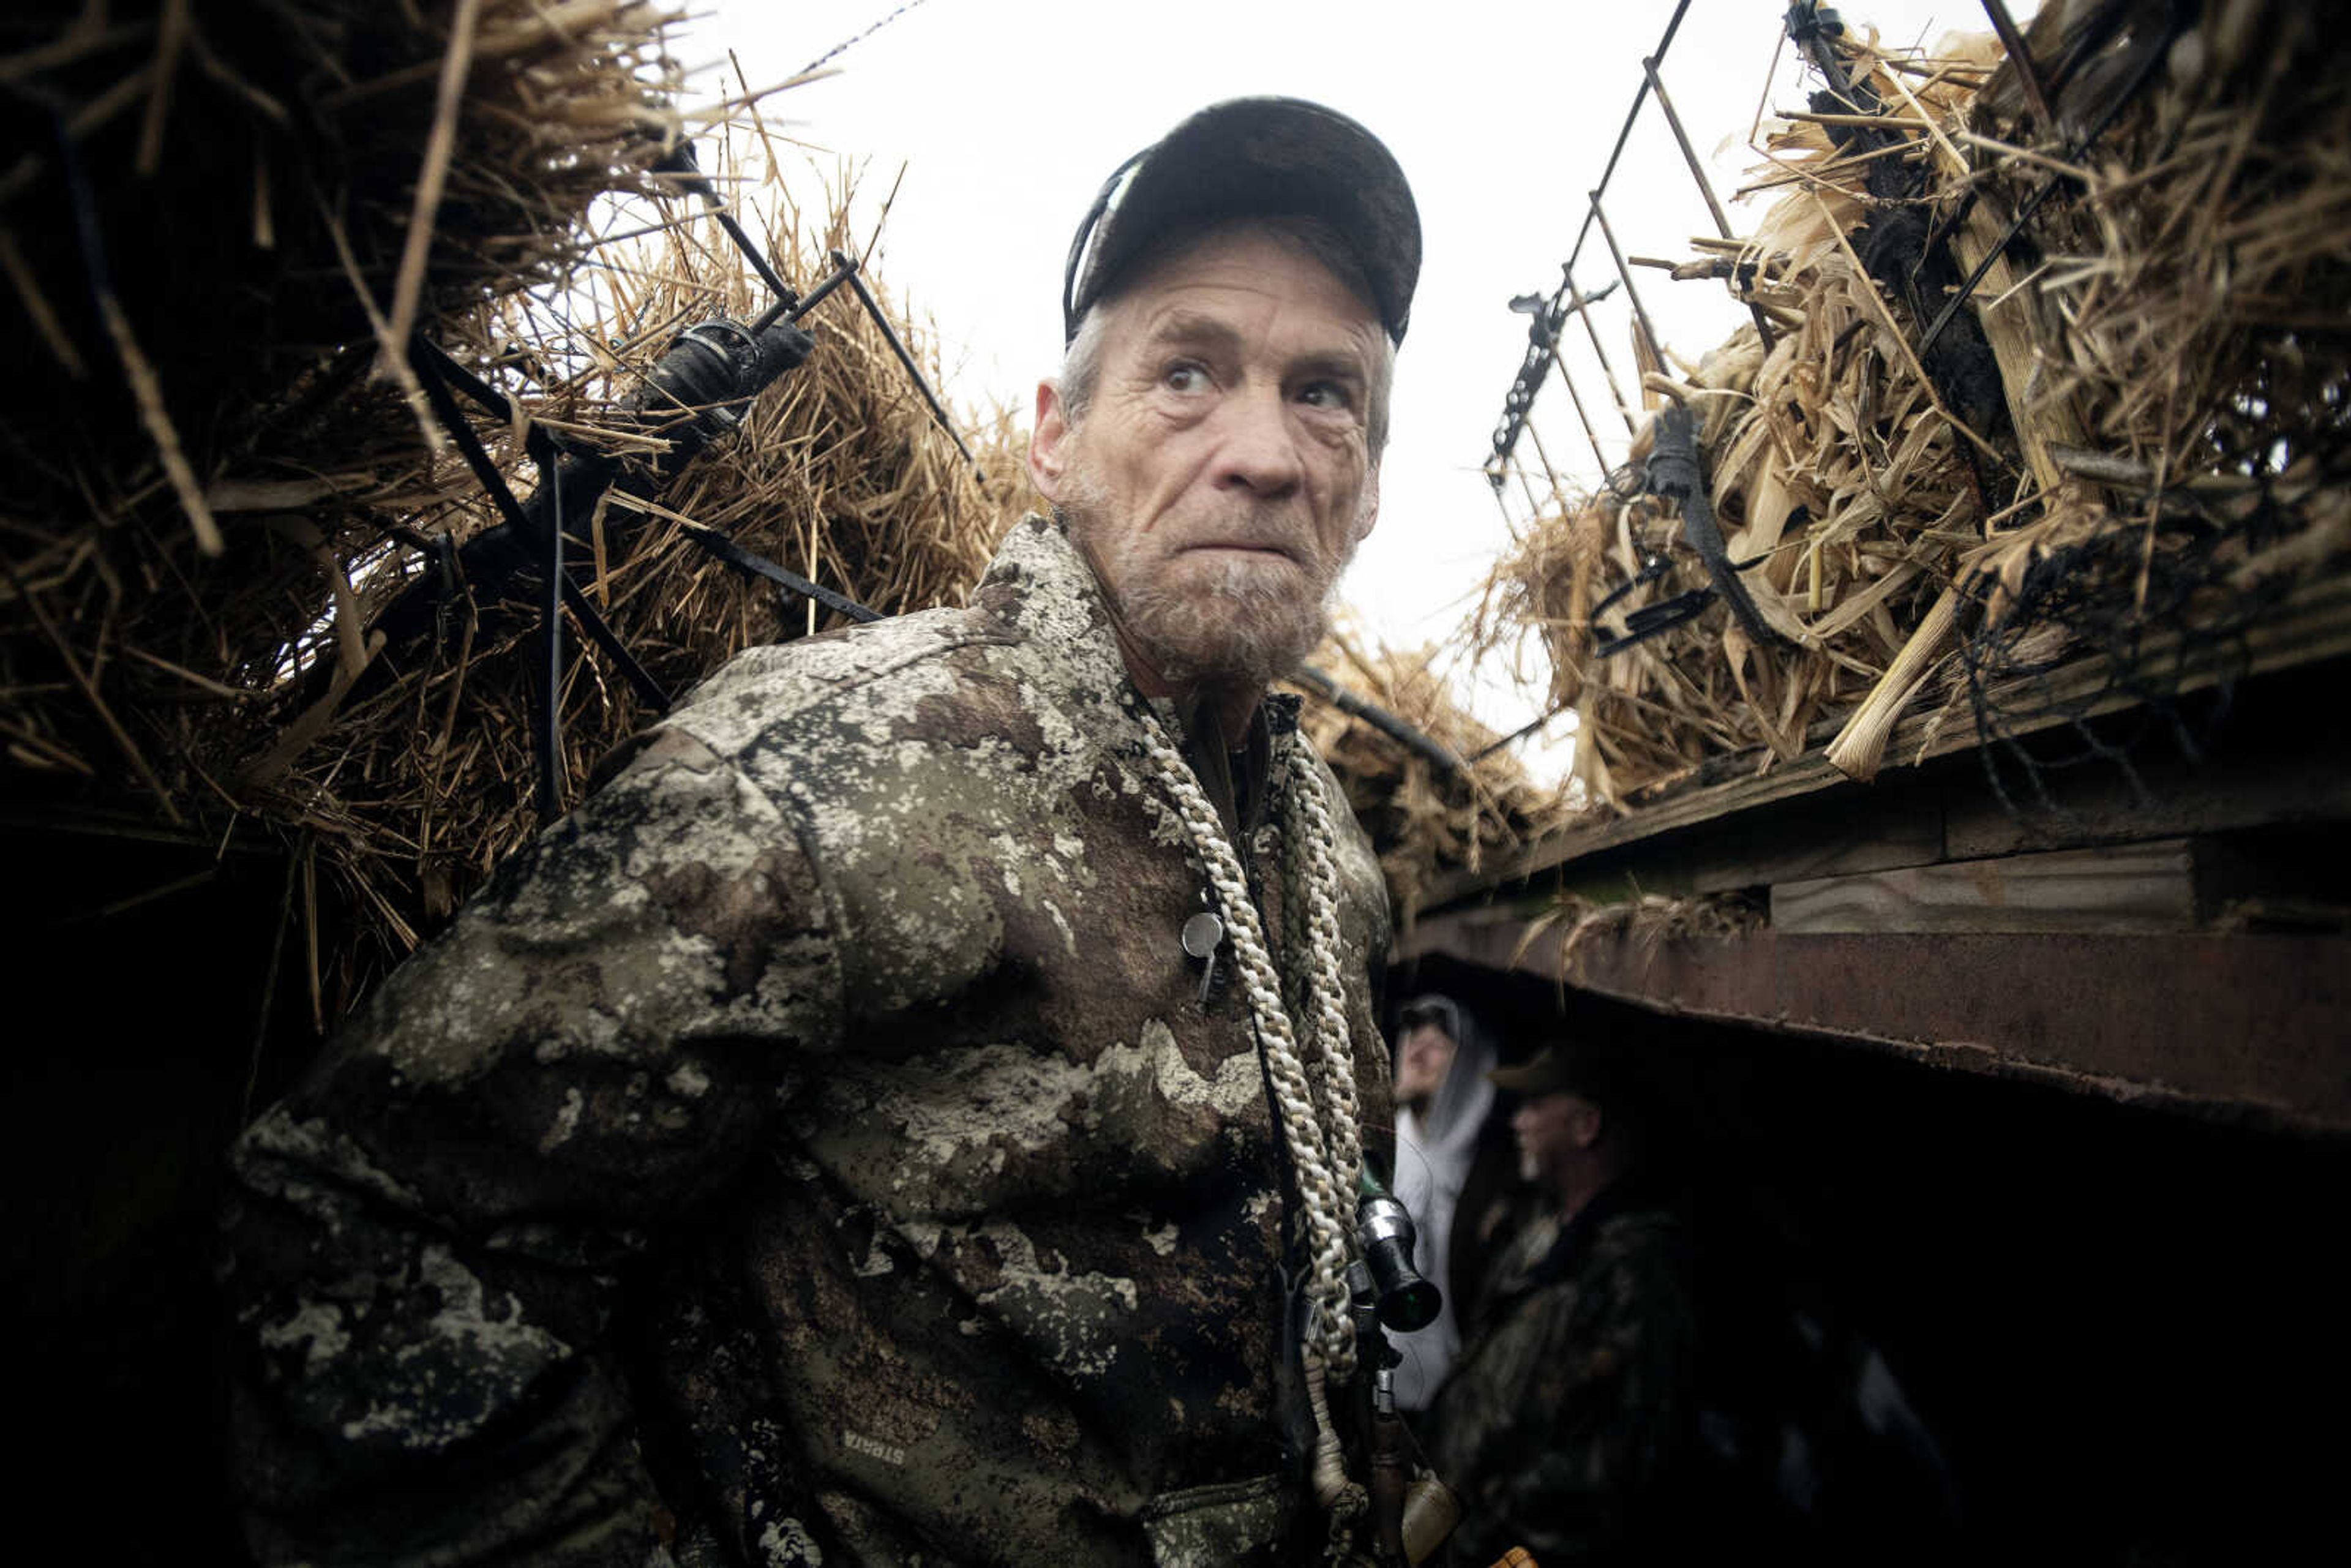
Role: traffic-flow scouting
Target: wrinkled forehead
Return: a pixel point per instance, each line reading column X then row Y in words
column 1291, row 258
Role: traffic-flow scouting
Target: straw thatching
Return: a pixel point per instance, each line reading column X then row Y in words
column 214, row 224
column 838, row 472
column 226, row 492
column 1425, row 817
column 2134, row 424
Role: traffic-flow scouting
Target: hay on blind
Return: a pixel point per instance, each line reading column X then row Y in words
column 255, row 686
column 1424, row 820
column 203, row 234
column 2158, row 397
column 838, row 472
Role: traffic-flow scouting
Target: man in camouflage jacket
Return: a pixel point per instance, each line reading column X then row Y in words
column 821, row 1146
column 1568, row 1424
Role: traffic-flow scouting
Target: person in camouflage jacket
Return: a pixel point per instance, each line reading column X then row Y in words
column 821, row 1146
column 1568, row 1427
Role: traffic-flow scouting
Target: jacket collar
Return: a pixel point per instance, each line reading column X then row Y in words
column 1041, row 585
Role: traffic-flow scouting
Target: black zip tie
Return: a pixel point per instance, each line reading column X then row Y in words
column 890, row 335
column 1650, row 620
column 547, row 736
column 745, row 561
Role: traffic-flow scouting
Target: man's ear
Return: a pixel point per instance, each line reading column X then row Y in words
column 1049, row 447
column 1585, row 1122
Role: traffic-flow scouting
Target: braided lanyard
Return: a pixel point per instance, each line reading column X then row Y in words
column 1317, row 1113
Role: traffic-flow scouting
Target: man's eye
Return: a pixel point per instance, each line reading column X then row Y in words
column 1184, row 378
column 1326, row 394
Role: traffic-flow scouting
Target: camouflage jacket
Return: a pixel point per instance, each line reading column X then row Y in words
column 1567, row 1421
column 815, row 1148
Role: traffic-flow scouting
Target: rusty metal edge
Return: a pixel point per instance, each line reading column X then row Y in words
column 1481, row 942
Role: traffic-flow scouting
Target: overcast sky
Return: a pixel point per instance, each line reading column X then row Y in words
column 1008, row 115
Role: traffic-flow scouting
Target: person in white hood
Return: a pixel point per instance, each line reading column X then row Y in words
column 1443, row 1124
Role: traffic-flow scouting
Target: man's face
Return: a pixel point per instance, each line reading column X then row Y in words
column 1222, row 476
column 1421, row 1061
column 1552, row 1131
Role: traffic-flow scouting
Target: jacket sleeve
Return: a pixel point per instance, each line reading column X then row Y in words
column 424, row 1239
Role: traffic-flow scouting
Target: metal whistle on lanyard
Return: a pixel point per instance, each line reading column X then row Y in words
column 1386, row 1236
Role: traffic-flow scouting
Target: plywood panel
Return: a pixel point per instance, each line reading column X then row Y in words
column 2123, row 888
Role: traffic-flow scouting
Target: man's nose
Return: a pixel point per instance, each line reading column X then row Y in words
column 1260, row 451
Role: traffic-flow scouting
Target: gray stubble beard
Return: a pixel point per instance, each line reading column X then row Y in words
column 1242, row 629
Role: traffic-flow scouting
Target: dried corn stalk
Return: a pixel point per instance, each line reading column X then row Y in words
column 2178, row 319
column 1423, row 820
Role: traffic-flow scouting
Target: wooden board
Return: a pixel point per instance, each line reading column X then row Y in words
column 2125, row 887
column 2312, row 626
column 1799, row 838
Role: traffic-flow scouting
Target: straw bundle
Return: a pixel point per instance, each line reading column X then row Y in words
column 2145, row 394
column 235, row 667
column 2193, row 302
column 838, row 472
column 1423, row 819
column 214, row 224
column 205, row 208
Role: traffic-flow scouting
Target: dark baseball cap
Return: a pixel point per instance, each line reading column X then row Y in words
column 1253, row 156
column 1558, row 1069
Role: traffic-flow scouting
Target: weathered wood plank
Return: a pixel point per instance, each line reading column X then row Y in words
column 2123, row 887
column 2298, row 777
column 1799, row 838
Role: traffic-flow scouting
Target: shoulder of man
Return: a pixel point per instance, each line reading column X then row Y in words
column 841, row 676
column 1031, row 639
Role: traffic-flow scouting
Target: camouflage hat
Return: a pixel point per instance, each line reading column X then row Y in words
column 1556, row 1068
column 1254, row 157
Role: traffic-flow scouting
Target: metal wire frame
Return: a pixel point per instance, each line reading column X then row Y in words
column 1810, row 25
column 439, row 372
column 1569, row 300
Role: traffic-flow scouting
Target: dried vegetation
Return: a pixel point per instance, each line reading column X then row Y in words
column 1425, row 816
column 2133, row 427
column 223, row 479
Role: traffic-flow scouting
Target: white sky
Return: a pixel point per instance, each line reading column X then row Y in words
column 1008, row 115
